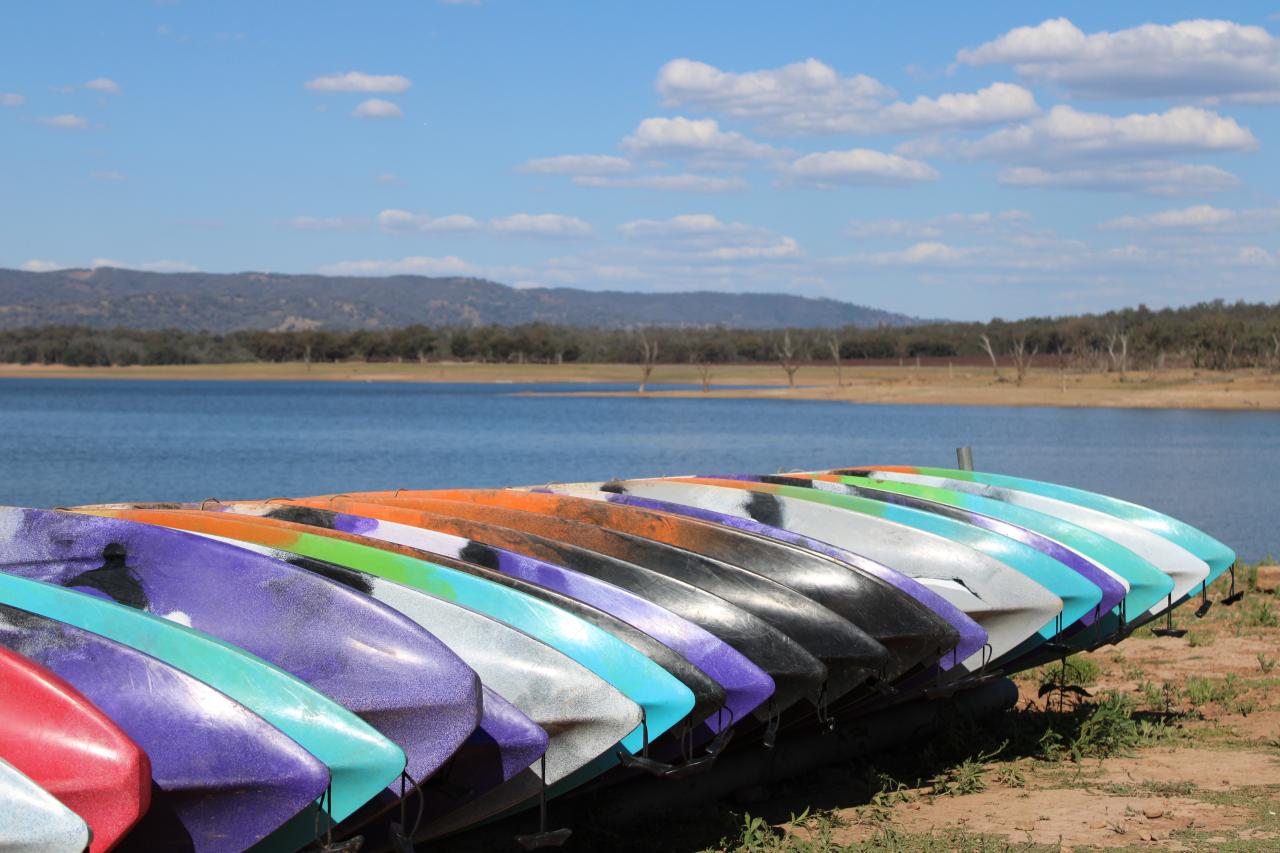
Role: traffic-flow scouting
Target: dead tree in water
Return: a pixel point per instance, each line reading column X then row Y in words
column 1021, row 358
column 834, row 343
column 986, row 345
column 787, row 357
column 648, row 357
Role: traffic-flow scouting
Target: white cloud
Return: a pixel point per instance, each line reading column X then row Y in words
column 103, row 85
column 901, row 229
column 323, row 223
column 35, row 265
column 810, row 97
column 704, row 236
column 66, row 121
column 1149, row 178
column 685, row 224
column 11, row 99
column 857, row 167
column 358, row 81
column 697, row 140
column 377, row 108
column 1196, row 58
column 1201, row 218
column 685, row 183
column 540, row 225
column 576, row 164
column 930, row 253
column 387, row 179
column 109, row 175
column 415, row 265
column 403, row 221
column 1066, row 132
column 147, row 266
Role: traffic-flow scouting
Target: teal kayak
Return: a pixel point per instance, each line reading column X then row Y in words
column 361, row 761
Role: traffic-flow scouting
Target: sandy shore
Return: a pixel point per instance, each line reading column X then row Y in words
column 967, row 386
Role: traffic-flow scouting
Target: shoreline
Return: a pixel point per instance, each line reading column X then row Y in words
column 1238, row 390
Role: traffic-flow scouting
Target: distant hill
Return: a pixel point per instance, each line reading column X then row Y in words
column 106, row 297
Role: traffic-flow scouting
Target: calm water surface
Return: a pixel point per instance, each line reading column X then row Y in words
column 73, row 441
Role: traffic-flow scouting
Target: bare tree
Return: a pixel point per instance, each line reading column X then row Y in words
column 1021, row 358
column 787, row 357
column 703, row 364
column 986, row 345
column 1275, row 352
column 306, row 356
column 1119, row 361
column 648, row 357
column 833, row 342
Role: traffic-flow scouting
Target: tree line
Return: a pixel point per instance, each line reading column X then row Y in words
column 1213, row 336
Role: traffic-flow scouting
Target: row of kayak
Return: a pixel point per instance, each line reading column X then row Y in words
column 391, row 667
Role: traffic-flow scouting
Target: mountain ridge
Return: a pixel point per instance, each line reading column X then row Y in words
column 226, row 302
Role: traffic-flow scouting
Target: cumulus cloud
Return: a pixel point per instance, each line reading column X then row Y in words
column 1200, row 218
column 857, row 167
column 358, row 81
column 926, row 253
column 540, row 225
column 36, row 265
column 414, row 265
column 1196, row 58
column 576, row 164
column 1156, row 178
column 11, row 99
column 696, row 140
column 66, row 121
column 104, row 85
column 811, row 97
column 684, row 183
column 402, row 221
column 1066, row 132
column 377, row 108
column 704, row 236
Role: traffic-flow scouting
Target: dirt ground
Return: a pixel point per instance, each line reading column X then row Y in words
column 928, row 385
column 1157, row 743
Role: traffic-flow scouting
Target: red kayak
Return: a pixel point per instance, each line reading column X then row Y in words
column 60, row 739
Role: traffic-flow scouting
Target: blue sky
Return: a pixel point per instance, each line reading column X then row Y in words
column 966, row 161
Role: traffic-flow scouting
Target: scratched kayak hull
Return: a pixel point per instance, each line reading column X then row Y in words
column 970, row 636
column 53, row 734
column 222, row 777
column 1190, row 558
column 850, row 656
column 583, row 715
column 912, row 636
column 663, row 699
column 371, row 660
column 793, row 672
column 361, row 762
column 1010, row 607
column 33, row 821
column 746, row 686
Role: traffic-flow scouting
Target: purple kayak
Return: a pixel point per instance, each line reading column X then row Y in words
column 746, row 686
column 360, row 653
column 972, row 636
column 222, row 777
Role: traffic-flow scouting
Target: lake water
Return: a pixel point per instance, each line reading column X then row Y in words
column 73, row 441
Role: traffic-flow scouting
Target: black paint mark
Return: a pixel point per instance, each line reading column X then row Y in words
column 305, row 515
column 614, row 487
column 479, row 554
column 114, row 579
column 765, row 508
column 340, row 574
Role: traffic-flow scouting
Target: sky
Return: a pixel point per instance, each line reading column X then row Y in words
column 938, row 159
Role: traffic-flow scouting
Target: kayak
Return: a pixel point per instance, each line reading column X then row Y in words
column 1191, row 558
column 746, row 686
column 33, row 821
column 1009, row 606
column 53, row 734
column 848, row 653
column 794, row 673
column 971, row 637
column 361, row 762
column 367, row 658
column 222, row 777
column 664, row 700
column 912, row 636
